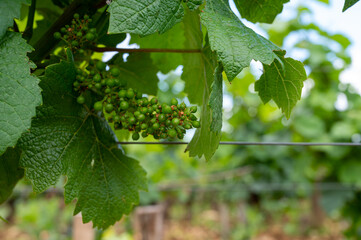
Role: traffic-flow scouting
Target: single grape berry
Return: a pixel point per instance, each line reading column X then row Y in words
column 79, row 34
column 89, row 36
column 154, row 101
column 196, row 124
column 115, row 71
column 174, row 101
column 130, row 93
column 172, row 133
column 175, row 121
column 80, row 99
column 75, row 43
column 57, row 35
column 101, row 66
column 193, row 109
column 167, row 110
column 124, row 105
column 135, row 136
column 98, row 106
column 144, row 126
column 109, row 107
column 76, row 16
column 110, row 82
column 156, row 126
column 161, row 118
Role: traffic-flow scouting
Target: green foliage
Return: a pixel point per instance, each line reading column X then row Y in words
column 282, row 81
column 19, row 92
column 232, row 40
column 216, row 101
column 263, row 11
column 172, row 39
column 348, row 4
column 10, row 173
column 9, row 9
column 66, row 139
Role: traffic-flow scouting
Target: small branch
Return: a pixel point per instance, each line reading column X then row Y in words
column 28, row 33
column 151, row 50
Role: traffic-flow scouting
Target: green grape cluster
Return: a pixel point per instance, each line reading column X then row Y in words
column 78, row 34
column 128, row 109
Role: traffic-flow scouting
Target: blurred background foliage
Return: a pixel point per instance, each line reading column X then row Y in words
column 298, row 191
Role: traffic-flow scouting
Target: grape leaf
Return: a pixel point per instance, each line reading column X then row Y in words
column 139, row 71
column 205, row 142
column 10, row 172
column 194, row 4
column 264, row 11
column 348, row 4
column 236, row 45
column 172, row 39
column 216, row 101
column 9, row 9
column 194, row 64
column 282, row 82
column 19, row 90
column 144, row 16
column 67, row 139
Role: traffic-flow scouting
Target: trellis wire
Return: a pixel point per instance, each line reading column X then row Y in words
column 252, row 143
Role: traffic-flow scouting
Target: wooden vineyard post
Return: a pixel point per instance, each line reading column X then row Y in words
column 148, row 222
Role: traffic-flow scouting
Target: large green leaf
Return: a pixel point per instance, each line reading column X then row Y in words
column 172, row 39
column 216, row 101
column 10, row 172
column 348, row 4
column 138, row 71
column 9, row 9
column 194, row 4
column 236, row 45
column 264, row 11
column 195, row 65
column 205, row 141
column 144, row 16
column 67, row 139
column 282, row 81
column 19, row 90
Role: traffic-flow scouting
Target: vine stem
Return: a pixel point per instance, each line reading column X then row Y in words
column 28, row 33
column 151, row 50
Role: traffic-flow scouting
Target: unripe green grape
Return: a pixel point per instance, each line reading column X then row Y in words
column 168, row 122
column 145, row 101
column 75, row 43
column 175, row 121
column 144, row 126
column 155, row 107
column 175, row 114
column 116, row 82
column 154, row 101
column 124, row 105
column 137, row 128
column 179, row 131
column 167, row 110
column 85, row 29
column 163, row 135
column 90, row 85
column 109, row 82
column 116, row 118
column 141, row 117
column 98, row 106
column 73, row 22
column 130, row 93
column 101, row 66
column 150, row 130
column 81, row 51
column 89, row 36
column 172, row 133
column 76, row 84
column 139, row 95
column 114, row 71
column 98, row 86
column 136, row 113
column 57, row 35
column 132, row 120
column 182, row 106
column 79, row 34
column 97, row 78
column 196, row 124
column 193, row 109
column 76, row 16
column 144, row 110
column 155, row 126
column 153, row 120
column 63, row 30
column 107, row 90
column 174, row 101
column 102, row 82
column 93, row 30
column 110, row 119
column 144, row 134
column 109, row 107
column 180, row 136
column 125, row 125
column 86, row 17
column 192, row 117
column 161, row 118
column 80, row 99
column 122, row 93
column 187, row 126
